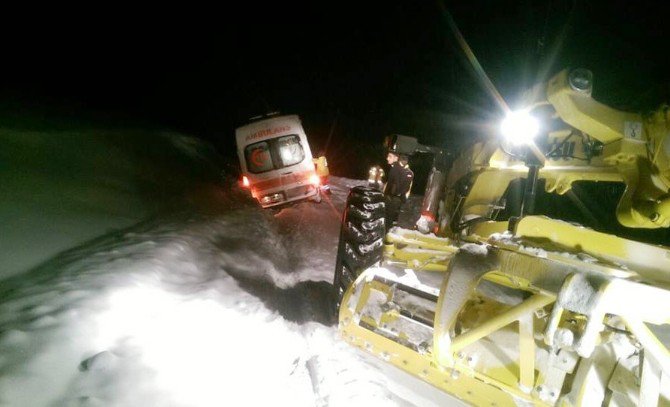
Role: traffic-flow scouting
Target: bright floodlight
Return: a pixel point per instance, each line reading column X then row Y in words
column 520, row 127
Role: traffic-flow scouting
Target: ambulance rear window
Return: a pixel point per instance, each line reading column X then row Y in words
column 258, row 157
column 274, row 154
column 290, row 150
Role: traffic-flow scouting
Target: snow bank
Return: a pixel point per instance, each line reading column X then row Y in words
column 62, row 188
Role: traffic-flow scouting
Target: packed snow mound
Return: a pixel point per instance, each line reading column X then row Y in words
column 62, row 188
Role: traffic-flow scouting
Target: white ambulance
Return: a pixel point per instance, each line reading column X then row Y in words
column 276, row 161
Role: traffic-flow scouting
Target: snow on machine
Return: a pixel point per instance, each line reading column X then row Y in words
column 545, row 283
column 276, row 161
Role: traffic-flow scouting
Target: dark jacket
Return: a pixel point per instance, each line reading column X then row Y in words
column 399, row 180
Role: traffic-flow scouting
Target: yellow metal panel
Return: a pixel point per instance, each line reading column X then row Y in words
column 419, row 240
column 486, row 229
column 526, row 352
column 650, row 261
column 582, row 112
column 459, row 380
column 499, row 321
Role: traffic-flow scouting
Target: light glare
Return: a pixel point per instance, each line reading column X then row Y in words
column 201, row 351
column 520, row 127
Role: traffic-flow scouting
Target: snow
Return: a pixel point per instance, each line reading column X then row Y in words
column 404, row 276
column 474, row 248
column 216, row 302
column 60, row 189
column 408, row 233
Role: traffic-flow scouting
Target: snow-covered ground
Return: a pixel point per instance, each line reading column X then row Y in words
column 219, row 303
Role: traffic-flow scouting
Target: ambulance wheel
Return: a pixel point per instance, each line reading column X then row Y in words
column 361, row 237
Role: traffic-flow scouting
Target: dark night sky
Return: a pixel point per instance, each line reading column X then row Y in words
column 361, row 70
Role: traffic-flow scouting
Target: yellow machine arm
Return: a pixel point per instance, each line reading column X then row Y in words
column 635, row 145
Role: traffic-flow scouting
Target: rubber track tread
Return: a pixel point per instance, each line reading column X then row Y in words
column 361, row 236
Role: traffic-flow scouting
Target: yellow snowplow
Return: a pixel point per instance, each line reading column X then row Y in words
column 547, row 282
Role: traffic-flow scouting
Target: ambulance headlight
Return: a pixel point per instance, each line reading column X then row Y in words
column 520, row 127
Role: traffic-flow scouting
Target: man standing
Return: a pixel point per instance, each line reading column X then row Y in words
column 397, row 187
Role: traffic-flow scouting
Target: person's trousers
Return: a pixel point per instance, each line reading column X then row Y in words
column 393, row 204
